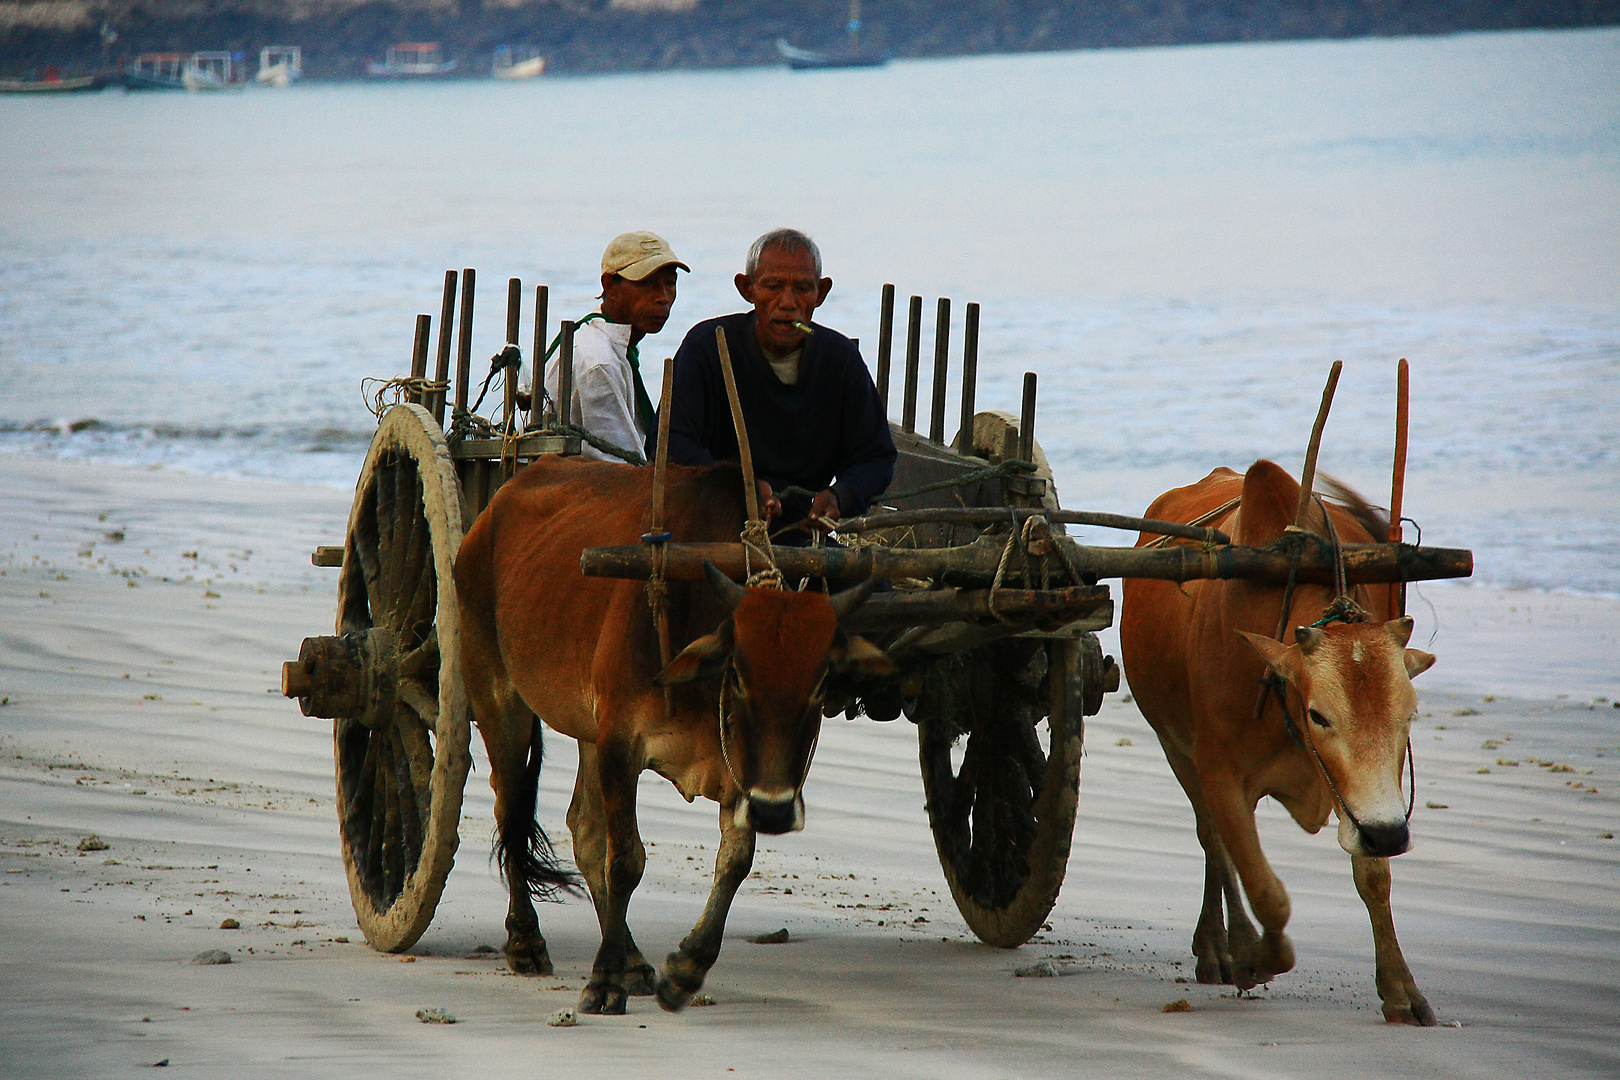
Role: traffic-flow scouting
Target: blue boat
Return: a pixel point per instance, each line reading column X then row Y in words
column 851, row 56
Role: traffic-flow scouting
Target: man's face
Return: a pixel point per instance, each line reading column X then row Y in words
column 643, row 304
column 784, row 290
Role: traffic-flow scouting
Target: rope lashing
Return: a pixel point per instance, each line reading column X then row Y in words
column 509, row 357
column 404, row 388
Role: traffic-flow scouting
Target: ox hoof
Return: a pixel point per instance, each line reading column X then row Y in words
column 527, row 956
column 671, row 998
column 1215, row 972
column 639, row 981
column 602, row 999
column 1417, row 1014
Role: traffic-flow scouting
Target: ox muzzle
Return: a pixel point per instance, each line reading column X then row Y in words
column 770, row 814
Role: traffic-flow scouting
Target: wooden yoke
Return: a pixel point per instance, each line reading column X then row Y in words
column 1397, row 489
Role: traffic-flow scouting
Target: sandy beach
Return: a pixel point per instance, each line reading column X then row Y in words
column 145, row 613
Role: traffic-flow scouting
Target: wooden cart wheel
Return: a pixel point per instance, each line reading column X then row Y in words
column 1004, row 815
column 402, row 752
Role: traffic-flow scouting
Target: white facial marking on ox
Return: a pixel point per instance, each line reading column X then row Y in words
column 1356, row 683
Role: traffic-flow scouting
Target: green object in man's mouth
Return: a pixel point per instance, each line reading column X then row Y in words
column 804, row 328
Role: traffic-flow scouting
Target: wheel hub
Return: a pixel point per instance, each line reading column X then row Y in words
column 355, row 676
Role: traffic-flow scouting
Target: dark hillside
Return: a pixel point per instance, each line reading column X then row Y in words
column 339, row 36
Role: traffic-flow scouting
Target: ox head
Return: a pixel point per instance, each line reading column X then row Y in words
column 1355, row 680
column 773, row 655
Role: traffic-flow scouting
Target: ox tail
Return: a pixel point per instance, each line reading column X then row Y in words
column 522, row 848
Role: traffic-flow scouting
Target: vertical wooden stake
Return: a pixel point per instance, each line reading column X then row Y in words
column 970, row 378
column 514, row 319
column 942, row 352
column 1397, row 489
column 1026, row 422
column 419, row 351
column 447, row 319
column 565, row 375
column 537, row 360
column 885, row 346
column 750, row 490
column 908, row 407
column 1307, row 478
column 469, row 278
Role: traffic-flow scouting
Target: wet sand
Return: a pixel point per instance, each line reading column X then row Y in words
column 144, row 711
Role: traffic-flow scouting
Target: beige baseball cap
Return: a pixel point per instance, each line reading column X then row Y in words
column 634, row 255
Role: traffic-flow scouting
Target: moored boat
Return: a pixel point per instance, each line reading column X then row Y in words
column 517, row 62
column 280, row 65
column 850, row 56
column 411, row 60
column 196, row 72
column 53, row 83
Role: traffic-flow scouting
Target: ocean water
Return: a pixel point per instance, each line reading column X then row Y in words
column 1178, row 241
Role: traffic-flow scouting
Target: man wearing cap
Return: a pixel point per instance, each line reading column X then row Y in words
column 813, row 415
column 609, row 399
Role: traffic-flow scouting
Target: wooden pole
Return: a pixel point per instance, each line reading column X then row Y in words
column 970, row 378
column 1026, row 421
column 908, row 406
column 419, row 351
column 514, row 319
column 942, row 352
column 986, row 515
column 660, row 604
column 537, row 360
column 746, row 457
column 469, row 280
column 1397, row 488
column 976, row 563
column 565, row 375
column 447, row 320
column 885, row 345
column 1307, row 478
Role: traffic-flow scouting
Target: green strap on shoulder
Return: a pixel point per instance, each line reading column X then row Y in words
column 644, row 407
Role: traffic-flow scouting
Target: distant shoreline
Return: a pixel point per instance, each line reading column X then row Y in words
column 339, row 37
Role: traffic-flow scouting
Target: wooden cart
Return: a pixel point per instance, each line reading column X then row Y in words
column 992, row 620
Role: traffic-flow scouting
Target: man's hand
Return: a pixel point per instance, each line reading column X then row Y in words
column 823, row 509
column 769, row 505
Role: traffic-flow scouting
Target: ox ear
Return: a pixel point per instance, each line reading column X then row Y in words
column 853, row 654
column 1278, row 657
column 1417, row 661
column 703, row 659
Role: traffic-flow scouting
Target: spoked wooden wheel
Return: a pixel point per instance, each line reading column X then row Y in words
column 1002, row 807
column 402, row 744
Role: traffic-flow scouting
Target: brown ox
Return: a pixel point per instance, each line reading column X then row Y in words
column 1194, row 655
column 541, row 642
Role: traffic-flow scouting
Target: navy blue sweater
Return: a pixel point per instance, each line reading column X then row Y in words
column 826, row 430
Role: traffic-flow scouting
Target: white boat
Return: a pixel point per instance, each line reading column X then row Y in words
column 280, row 65
column 411, row 60
column 213, row 71
column 517, row 62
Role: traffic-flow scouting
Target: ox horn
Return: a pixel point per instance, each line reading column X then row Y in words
column 726, row 589
column 850, row 599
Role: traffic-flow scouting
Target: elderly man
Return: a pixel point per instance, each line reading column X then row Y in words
column 609, row 399
column 813, row 415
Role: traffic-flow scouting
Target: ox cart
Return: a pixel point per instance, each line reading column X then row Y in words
column 991, row 620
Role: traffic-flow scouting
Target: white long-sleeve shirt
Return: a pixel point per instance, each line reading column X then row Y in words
column 604, row 399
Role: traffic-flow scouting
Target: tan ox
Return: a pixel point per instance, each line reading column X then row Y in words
column 539, row 641
column 1195, row 654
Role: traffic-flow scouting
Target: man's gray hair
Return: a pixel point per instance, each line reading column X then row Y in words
column 787, row 241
